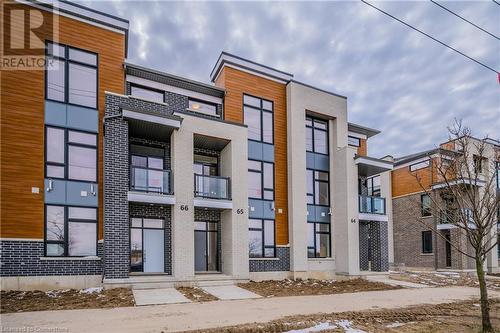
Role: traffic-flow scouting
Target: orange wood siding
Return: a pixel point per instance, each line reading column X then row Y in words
column 405, row 182
column 363, row 148
column 22, row 128
column 236, row 84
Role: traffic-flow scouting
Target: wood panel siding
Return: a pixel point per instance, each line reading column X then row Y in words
column 22, row 128
column 405, row 182
column 236, row 84
column 363, row 148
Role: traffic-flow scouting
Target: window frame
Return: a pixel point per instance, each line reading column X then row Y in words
column 418, row 165
column 358, row 140
column 263, row 235
column 67, row 144
column 216, row 115
column 261, row 111
column 140, row 86
column 67, row 221
column 313, row 128
column 315, row 246
column 424, row 250
column 423, row 212
column 374, row 193
column 314, row 187
column 263, row 188
column 142, row 237
column 66, row 60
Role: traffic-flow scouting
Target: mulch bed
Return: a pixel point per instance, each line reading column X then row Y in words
column 312, row 287
column 22, row 301
column 195, row 294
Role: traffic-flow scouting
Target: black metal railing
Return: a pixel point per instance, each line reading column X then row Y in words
column 212, row 187
column 150, row 180
column 371, row 205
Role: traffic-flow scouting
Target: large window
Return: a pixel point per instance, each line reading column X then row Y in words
column 203, row 107
column 258, row 116
column 261, row 241
column 426, row 241
column 70, row 154
column 147, row 93
column 71, row 75
column 353, row 141
column 70, row 231
column 260, row 180
column 373, row 186
column 316, row 135
column 318, row 244
column 425, row 205
column 419, row 165
column 318, row 192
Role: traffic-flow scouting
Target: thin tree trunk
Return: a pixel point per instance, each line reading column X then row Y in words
column 485, row 306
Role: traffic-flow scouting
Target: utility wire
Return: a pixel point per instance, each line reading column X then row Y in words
column 463, row 18
column 498, row 3
column 434, row 39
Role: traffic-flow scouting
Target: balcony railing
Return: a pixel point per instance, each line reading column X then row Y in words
column 212, row 187
column 371, row 205
column 150, row 180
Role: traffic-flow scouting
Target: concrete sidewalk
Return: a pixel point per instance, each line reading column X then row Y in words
column 180, row 317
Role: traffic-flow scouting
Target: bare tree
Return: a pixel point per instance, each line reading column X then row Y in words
column 464, row 195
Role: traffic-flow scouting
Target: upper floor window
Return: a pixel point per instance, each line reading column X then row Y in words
column 419, row 165
column 203, row 107
column 425, row 205
column 258, row 116
column 316, row 135
column 147, row 93
column 70, row 154
column 260, row 180
column 318, row 190
column 373, row 186
column 498, row 175
column 353, row 141
column 71, row 75
column 480, row 164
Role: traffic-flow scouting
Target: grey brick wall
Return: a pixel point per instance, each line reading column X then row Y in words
column 379, row 246
column 364, row 259
column 262, row 265
column 22, row 258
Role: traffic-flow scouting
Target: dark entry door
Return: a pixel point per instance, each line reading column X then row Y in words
column 206, row 247
column 448, row 249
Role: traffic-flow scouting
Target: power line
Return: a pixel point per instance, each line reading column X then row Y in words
column 434, row 39
column 463, row 18
column 498, row 3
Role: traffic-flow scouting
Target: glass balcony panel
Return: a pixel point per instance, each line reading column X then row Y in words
column 149, row 180
column 212, row 187
column 371, row 205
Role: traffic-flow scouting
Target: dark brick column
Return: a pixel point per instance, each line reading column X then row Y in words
column 364, row 233
column 116, row 184
column 379, row 246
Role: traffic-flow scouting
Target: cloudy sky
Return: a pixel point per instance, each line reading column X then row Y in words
column 396, row 80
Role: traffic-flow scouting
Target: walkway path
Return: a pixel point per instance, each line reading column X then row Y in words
column 179, row 317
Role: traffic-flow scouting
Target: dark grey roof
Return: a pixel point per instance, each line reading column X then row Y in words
column 369, row 132
column 319, row 89
column 414, row 156
column 174, row 80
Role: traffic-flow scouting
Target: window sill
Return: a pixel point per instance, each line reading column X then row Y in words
column 260, row 259
column 427, row 254
column 70, row 258
column 321, row 259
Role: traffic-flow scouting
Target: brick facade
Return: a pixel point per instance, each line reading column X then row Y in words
column 281, row 264
column 374, row 246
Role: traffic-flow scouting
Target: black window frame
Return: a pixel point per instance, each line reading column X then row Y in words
column 140, row 86
column 429, row 248
column 263, row 188
column 264, row 246
column 216, row 115
column 142, row 237
column 315, row 246
column 67, row 61
column 67, row 144
column 313, row 195
column 261, row 110
column 425, row 211
column 314, row 129
column 358, row 140
column 67, row 221
column 375, row 191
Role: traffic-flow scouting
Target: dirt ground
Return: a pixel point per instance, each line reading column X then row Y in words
column 459, row 317
column 441, row 279
column 195, row 294
column 312, row 287
column 21, row 301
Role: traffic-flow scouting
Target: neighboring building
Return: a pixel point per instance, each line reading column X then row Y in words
column 118, row 174
column 415, row 215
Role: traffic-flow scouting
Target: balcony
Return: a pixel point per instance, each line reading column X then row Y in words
column 150, row 185
column 212, row 191
column 371, row 205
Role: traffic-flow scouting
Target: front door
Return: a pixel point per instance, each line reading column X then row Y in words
column 206, row 247
column 448, row 249
column 147, row 245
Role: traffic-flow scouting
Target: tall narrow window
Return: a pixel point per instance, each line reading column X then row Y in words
column 426, row 205
column 318, row 245
column 71, row 75
column 261, row 238
column 318, row 190
column 258, row 116
column 426, row 241
column 373, row 186
column 316, row 135
column 260, row 180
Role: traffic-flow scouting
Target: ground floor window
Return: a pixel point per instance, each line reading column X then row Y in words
column 206, row 246
column 318, row 244
column 147, row 248
column 426, row 241
column 70, row 231
column 262, row 243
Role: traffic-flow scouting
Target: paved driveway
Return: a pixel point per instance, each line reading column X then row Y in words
column 179, row 317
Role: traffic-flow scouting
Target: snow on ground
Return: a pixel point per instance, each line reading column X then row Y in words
column 91, row 290
column 346, row 325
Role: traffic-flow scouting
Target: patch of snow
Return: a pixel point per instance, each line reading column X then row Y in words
column 476, row 305
column 316, row 328
column 91, row 290
column 52, row 293
column 394, row 325
column 347, row 326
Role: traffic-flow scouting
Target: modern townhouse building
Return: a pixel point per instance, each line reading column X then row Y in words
column 117, row 174
column 416, row 217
